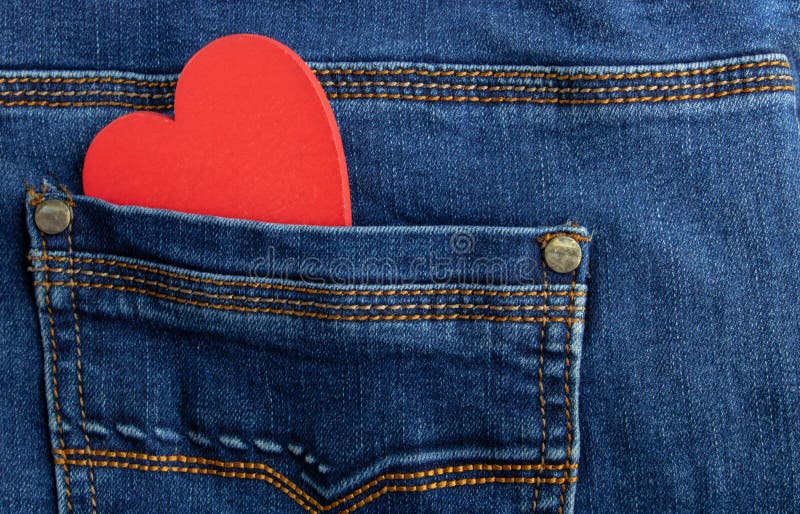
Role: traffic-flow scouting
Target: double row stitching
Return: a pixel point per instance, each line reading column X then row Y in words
column 88, row 80
column 296, row 492
column 309, row 290
column 547, row 89
column 192, row 470
column 542, row 400
column 91, row 92
column 302, row 314
column 567, row 403
column 292, row 490
column 79, row 365
column 455, row 483
column 433, row 85
column 118, row 454
column 305, row 303
column 553, row 76
column 443, row 471
column 54, row 368
column 434, row 98
column 428, row 73
column 46, row 103
column 361, row 503
column 555, row 100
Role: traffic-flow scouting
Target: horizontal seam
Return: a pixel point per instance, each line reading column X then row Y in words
column 434, row 98
column 185, row 469
column 186, row 459
column 183, row 459
column 299, row 289
column 556, row 76
column 93, row 92
column 457, row 483
column 309, row 314
column 46, row 103
column 372, row 497
column 303, row 303
column 427, row 73
column 563, row 101
column 546, row 89
column 301, row 497
column 244, row 465
column 432, row 85
column 87, row 80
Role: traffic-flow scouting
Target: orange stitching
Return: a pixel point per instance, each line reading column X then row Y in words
column 564, row 101
column 39, row 198
column 556, row 76
column 544, row 89
column 544, row 239
column 183, row 459
column 35, row 197
column 434, row 85
column 36, row 201
column 45, row 103
column 299, row 500
column 435, row 98
column 86, row 80
column 35, row 92
column 310, row 290
column 305, row 303
column 442, row 471
column 192, row 470
column 567, row 403
column 262, row 467
column 471, row 87
column 54, row 370
column 455, row 483
column 303, row 314
column 542, row 400
column 427, row 73
column 79, row 366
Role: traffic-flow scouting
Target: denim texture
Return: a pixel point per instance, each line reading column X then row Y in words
column 685, row 175
column 405, row 374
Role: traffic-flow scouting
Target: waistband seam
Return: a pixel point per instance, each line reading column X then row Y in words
column 430, row 85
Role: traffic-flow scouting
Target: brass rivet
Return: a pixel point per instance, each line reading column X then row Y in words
column 563, row 254
column 52, row 216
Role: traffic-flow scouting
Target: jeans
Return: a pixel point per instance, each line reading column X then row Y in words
column 426, row 359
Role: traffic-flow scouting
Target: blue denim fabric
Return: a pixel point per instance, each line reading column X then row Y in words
column 196, row 388
column 389, row 362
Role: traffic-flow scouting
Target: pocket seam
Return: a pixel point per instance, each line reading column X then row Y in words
column 71, row 271
column 79, row 356
column 304, row 314
column 411, row 291
column 54, row 381
column 299, row 495
column 567, row 402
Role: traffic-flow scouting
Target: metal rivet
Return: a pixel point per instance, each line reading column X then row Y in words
column 563, row 254
column 52, row 216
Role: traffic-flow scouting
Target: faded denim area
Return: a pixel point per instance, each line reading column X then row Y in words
column 685, row 176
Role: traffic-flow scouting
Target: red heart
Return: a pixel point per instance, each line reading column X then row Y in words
column 253, row 137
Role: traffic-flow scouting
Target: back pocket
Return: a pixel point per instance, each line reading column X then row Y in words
column 202, row 364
